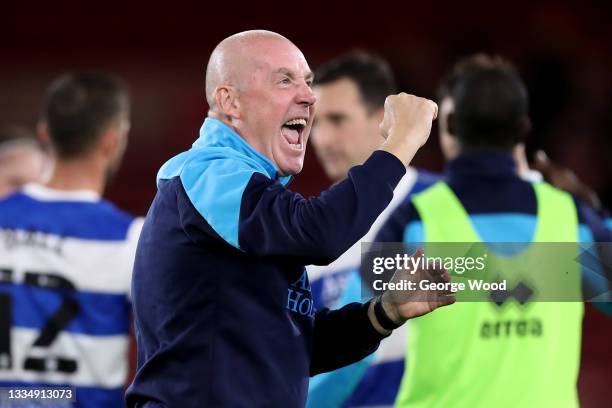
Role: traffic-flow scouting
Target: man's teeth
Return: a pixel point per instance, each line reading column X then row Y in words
column 294, row 122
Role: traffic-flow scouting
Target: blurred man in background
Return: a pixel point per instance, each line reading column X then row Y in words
column 484, row 107
column 66, row 254
column 351, row 92
column 22, row 159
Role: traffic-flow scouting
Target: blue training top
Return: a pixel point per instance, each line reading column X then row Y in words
column 223, row 306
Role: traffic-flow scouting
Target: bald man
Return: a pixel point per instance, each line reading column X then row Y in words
column 22, row 159
column 223, row 308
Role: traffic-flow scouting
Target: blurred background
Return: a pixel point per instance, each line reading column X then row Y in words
column 563, row 49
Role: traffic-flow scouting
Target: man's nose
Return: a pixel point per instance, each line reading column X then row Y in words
column 306, row 96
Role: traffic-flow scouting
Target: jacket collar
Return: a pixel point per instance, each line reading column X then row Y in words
column 480, row 165
column 215, row 133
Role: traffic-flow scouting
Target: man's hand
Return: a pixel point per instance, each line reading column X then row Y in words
column 401, row 305
column 407, row 124
column 565, row 179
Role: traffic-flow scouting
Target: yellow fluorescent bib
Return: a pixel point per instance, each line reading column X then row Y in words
column 481, row 354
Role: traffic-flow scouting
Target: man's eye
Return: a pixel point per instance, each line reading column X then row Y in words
column 337, row 120
column 285, row 81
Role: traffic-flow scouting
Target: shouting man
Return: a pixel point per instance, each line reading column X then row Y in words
column 223, row 306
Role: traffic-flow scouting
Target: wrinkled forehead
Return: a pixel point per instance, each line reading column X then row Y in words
column 279, row 57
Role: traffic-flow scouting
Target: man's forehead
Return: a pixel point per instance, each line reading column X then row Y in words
column 18, row 161
column 338, row 93
column 280, row 54
column 18, row 151
column 294, row 71
column 270, row 67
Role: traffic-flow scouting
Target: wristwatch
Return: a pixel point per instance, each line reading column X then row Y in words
column 384, row 320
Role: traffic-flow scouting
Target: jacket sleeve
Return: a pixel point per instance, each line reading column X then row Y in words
column 277, row 221
column 260, row 216
column 342, row 337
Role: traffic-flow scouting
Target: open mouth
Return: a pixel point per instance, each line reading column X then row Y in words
column 292, row 132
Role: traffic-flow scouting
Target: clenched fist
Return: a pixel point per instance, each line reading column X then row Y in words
column 407, row 124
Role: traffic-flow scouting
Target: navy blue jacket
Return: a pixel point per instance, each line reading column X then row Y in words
column 223, row 307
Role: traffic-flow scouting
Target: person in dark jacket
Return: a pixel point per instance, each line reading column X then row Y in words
column 223, row 307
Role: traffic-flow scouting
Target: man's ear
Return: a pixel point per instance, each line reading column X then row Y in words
column 110, row 141
column 227, row 101
column 376, row 117
column 42, row 132
column 525, row 128
column 379, row 114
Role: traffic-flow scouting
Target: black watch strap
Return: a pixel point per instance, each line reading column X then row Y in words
column 384, row 320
